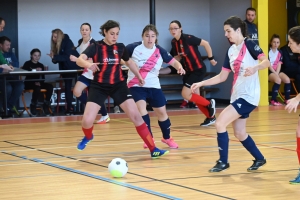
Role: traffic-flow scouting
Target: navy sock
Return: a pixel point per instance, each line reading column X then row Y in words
column 287, row 90
column 165, row 128
column 146, row 118
column 275, row 91
column 223, row 144
column 250, row 145
column 103, row 110
column 83, row 98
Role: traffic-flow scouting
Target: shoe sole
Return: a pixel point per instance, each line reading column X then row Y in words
column 219, row 171
column 160, row 155
column 213, row 105
column 169, row 146
column 294, row 183
column 209, row 123
column 104, row 121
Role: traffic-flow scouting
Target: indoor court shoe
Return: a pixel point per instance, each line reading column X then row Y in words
column 82, row 144
column 184, row 104
column 103, row 119
column 212, row 108
column 296, row 181
column 257, row 164
column 145, row 145
column 170, row 142
column 275, row 103
column 220, row 166
column 156, row 153
column 208, row 121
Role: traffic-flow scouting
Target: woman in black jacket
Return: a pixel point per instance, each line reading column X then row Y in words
column 34, row 65
column 61, row 49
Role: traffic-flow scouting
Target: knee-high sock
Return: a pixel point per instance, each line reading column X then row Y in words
column 144, row 133
column 103, row 110
column 250, row 145
column 199, row 100
column 88, row 132
column 146, row 118
column 165, row 128
column 223, row 144
column 287, row 91
column 275, row 91
column 203, row 109
column 298, row 148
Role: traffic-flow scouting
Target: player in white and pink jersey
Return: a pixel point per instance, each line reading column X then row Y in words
column 84, row 80
column 149, row 58
column 242, row 59
column 275, row 74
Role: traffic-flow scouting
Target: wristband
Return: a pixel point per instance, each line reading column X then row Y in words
column 211, row 58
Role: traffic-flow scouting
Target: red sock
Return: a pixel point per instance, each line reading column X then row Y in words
column 298, row 148
column 88, row 132
column 144, row 133
column 199, row 100
column 204, row 110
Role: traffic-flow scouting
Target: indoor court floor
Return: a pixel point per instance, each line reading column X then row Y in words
column 39, row 159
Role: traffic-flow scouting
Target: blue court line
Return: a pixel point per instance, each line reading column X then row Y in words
column 97, row 177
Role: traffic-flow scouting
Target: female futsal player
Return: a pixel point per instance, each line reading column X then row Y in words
column 149, row 57
column 292, row 104
column 242, row 59
column 109, row 81
column 185, row 47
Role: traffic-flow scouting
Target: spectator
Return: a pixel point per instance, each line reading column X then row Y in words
column 251, row 27
column 13, row 89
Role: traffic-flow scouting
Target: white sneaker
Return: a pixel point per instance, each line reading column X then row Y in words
column 117, row 109
column 103, row 119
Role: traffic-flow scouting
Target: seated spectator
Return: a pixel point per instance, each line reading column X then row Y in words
column 13, row 89
column 291, row 64
column 34, row 65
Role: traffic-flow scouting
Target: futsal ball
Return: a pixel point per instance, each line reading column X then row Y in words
column 118, row 167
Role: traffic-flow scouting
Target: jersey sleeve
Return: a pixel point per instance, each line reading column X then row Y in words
column 90, row 51
column 125, row 55
column 226, row 64
column 281, row 57
column 254, row 49
column 130, row 47
column 166, row 56
column 193, row 40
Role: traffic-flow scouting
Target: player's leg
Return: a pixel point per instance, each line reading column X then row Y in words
column 277, row 81
column 79, row 88
column 297, row 179
column 287, row 85
column 227, row 116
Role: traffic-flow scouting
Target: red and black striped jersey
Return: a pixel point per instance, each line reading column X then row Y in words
column 109, row 57
column 187, row 48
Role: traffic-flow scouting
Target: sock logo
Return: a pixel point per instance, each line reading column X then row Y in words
column 220, row 149
column 239, row 105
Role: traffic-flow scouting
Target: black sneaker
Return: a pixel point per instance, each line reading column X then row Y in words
column 257, row 164
column 33, row 110
column 220, row 166
column 46, row 108
column 212, row 108
column 208, row 121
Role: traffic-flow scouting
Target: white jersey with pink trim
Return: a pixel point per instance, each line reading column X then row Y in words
column 149, row 62
column 275, row 58
column 86, row 72
column 237, row 60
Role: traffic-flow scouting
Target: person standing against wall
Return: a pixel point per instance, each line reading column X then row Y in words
column 251, row 27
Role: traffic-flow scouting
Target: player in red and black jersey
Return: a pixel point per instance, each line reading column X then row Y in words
column 109, row 81
column 185, row 50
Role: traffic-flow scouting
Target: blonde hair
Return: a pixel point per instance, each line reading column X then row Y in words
column 55, row 47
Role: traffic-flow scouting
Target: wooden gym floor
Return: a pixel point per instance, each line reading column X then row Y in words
column 39, row 159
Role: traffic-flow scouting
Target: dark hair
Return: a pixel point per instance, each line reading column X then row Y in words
column 272, row 38
column 108, row 25
column 250, row 9
column 34, row 50
column 235, row 23
column 86, row 24
column 3, row 39
column 151, row 27
column 294, row 34
column 1, row 19
column 176, row 22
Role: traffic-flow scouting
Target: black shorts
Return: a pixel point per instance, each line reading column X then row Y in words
column 193, row 77
column 99, row 92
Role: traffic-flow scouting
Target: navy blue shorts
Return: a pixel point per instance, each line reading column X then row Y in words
column 154, row 96
column 243, row 107
column 84, row 80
